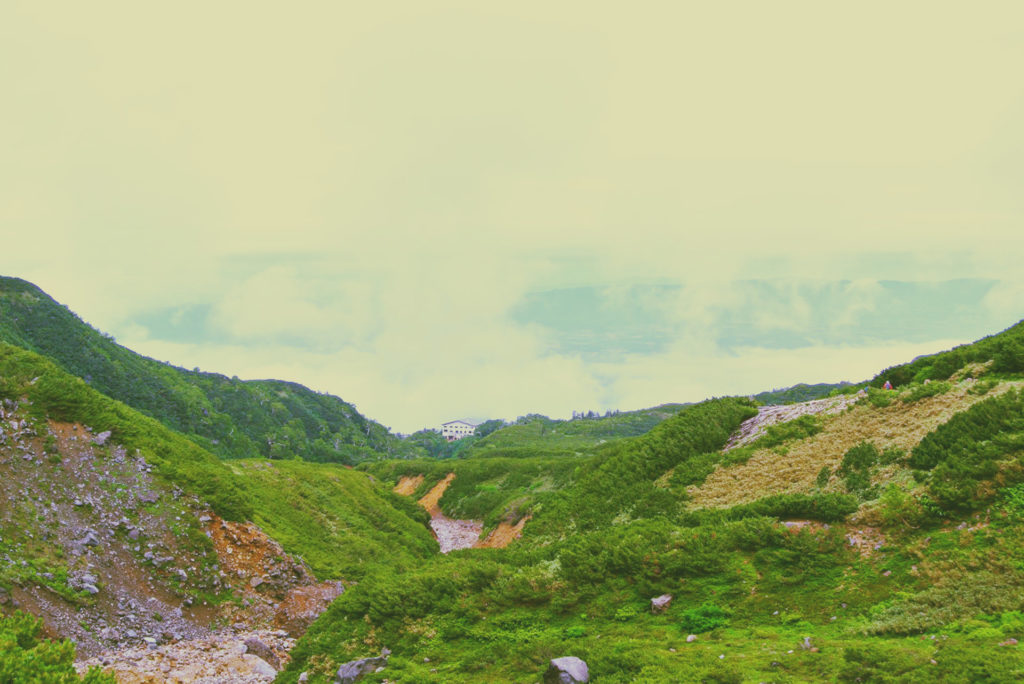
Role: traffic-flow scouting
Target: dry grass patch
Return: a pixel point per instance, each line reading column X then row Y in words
column 794, row 468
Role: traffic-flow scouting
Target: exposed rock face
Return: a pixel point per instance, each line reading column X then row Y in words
column 246, row 552
column 661, row 603
column 302, row 605
column 354, row 670
column 567, row 670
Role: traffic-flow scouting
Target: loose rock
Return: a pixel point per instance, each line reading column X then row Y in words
column 566, row 670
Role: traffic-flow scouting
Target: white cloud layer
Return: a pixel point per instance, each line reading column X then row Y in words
column 357, row 195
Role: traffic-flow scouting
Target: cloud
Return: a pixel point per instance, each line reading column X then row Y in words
column 373, row 199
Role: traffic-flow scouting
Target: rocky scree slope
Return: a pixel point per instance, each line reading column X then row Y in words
column 111, row 557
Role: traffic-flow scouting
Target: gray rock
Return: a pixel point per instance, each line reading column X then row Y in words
column 691, row 638
column 661, row 603
column 89, row 579
column 260, row 666
column 304, row 677
column 101, row 438
column 354, row 670
column 256, row 646
column 151, row 642
column 567, row 670
column 134, row 534
column 91, row 588
column 149, row 497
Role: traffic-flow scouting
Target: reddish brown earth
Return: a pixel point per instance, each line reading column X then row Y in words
column 451, row 533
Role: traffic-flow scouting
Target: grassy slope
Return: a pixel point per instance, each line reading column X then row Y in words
column 314, row 510
column 226, row 416
column 937, row 551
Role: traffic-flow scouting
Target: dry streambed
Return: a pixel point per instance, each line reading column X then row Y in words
column 453, row 534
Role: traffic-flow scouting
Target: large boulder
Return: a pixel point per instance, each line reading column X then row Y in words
column 567, row 670
column 661, row 603
column 354, row 670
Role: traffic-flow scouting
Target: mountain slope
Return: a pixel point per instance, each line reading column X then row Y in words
column 872, row 537
column 227, row 416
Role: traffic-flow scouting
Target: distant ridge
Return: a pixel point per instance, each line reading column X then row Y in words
column 230, row 417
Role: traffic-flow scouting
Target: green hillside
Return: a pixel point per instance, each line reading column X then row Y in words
column 879, row 543
column 226, row 416
column 1002, row 353
column 327, row 514
column 534, row 435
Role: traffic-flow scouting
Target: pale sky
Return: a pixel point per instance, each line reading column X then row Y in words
column 438, row 210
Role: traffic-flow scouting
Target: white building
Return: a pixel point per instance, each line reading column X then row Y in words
column 457, row 429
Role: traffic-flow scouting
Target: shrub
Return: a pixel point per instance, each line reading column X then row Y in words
column 971, row 448
column 924, row 390
column 24, row 657
column 878, row 663
column 704, row 618
column 798, row 428
column 824, row 475
column 880, row 398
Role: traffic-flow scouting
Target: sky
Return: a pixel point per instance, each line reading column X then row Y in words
column 440, row 210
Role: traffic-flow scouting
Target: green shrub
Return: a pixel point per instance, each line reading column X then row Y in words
column 824, row 475
column 880, row 398
column 704, row 618
column 972, row 448
column 924, row 390
column 870, row 662
column 25, row 657
column 983, row 387
column 796, row 429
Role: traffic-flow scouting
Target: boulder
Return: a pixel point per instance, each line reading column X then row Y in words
column 101, row 438
column 260, row 667
column 354, row 670
column 661, row 603
column 257, row 647
column 566, row 670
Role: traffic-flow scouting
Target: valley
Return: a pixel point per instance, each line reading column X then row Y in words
column 861, row 534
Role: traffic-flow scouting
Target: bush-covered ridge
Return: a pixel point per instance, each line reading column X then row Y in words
column 1003, row 351
column 229, row 417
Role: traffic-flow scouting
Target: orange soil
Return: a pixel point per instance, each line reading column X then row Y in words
column 430, row 499
column 503, row 535
column 407, row 485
